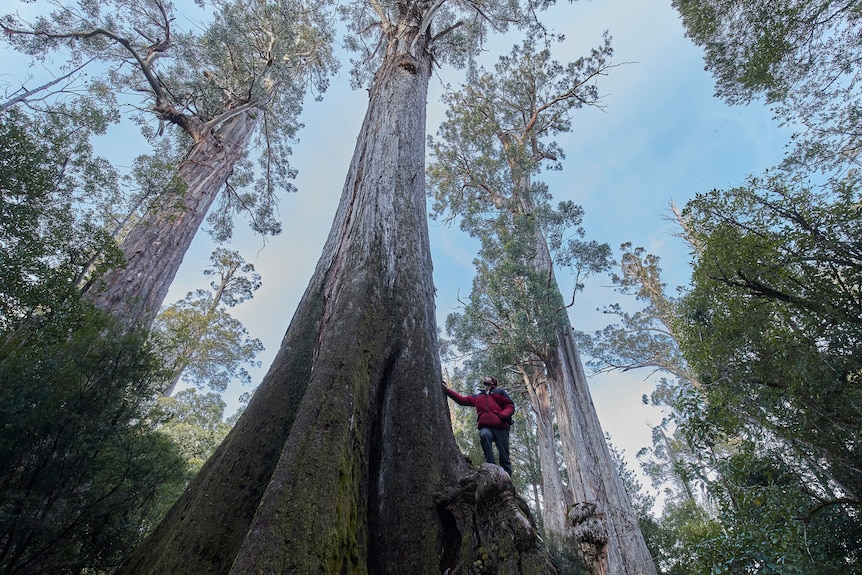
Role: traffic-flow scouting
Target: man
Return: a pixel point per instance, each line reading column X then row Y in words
column 494, row 408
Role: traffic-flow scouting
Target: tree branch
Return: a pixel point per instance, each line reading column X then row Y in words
column 423, row 25
column 27, row 93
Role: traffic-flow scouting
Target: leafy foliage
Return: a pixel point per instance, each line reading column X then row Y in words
column 195, row 422
column 84, row 474
column 801, row 55
column 495, row 134
column 644, row 338
column 491, row 144
column 199, row 338
column 267, row 53
column 772, row 322
column 761, row 441
column 513, row 309
column 770, row 328
column 756, row 451
column 46, row 245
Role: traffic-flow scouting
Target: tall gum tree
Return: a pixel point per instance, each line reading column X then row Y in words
column 243, row 76
column 493, row 141
column 344, row 460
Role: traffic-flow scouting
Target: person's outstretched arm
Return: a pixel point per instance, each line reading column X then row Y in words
column 458, row 398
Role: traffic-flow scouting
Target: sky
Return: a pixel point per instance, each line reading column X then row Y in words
column 661, row 137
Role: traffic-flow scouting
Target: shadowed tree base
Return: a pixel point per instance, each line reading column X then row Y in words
column 489, row 529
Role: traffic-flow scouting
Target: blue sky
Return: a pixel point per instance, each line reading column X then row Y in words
column 661, row 138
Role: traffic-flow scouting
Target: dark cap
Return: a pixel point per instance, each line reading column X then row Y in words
column 493, row 380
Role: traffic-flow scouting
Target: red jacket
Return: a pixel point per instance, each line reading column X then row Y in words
column 493, row 409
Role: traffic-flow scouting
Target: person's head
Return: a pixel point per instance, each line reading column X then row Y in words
column 490, row 382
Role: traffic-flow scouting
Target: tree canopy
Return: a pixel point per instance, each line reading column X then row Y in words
column 801, row 56
column 203, row 343
column 47, row 240
column 770, row 320
column 495, row 139
column 84, row 473
column 246, row 56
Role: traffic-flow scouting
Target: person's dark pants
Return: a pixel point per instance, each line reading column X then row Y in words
column 489, row 435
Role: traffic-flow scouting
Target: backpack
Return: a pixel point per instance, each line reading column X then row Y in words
column 511, row 419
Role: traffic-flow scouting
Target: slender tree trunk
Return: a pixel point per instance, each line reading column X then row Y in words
column 602, row 521
column 531, row 453
column 556, row 499
column 156, row 245
column 344, row 461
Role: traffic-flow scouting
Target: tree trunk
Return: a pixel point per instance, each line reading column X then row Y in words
column 344, row 461
column 156, row 245
column 602, row 521
column 555, row 498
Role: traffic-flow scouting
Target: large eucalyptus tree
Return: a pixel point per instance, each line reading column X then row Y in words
column 244, row 75
column 495, row 139
column 344, row 460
